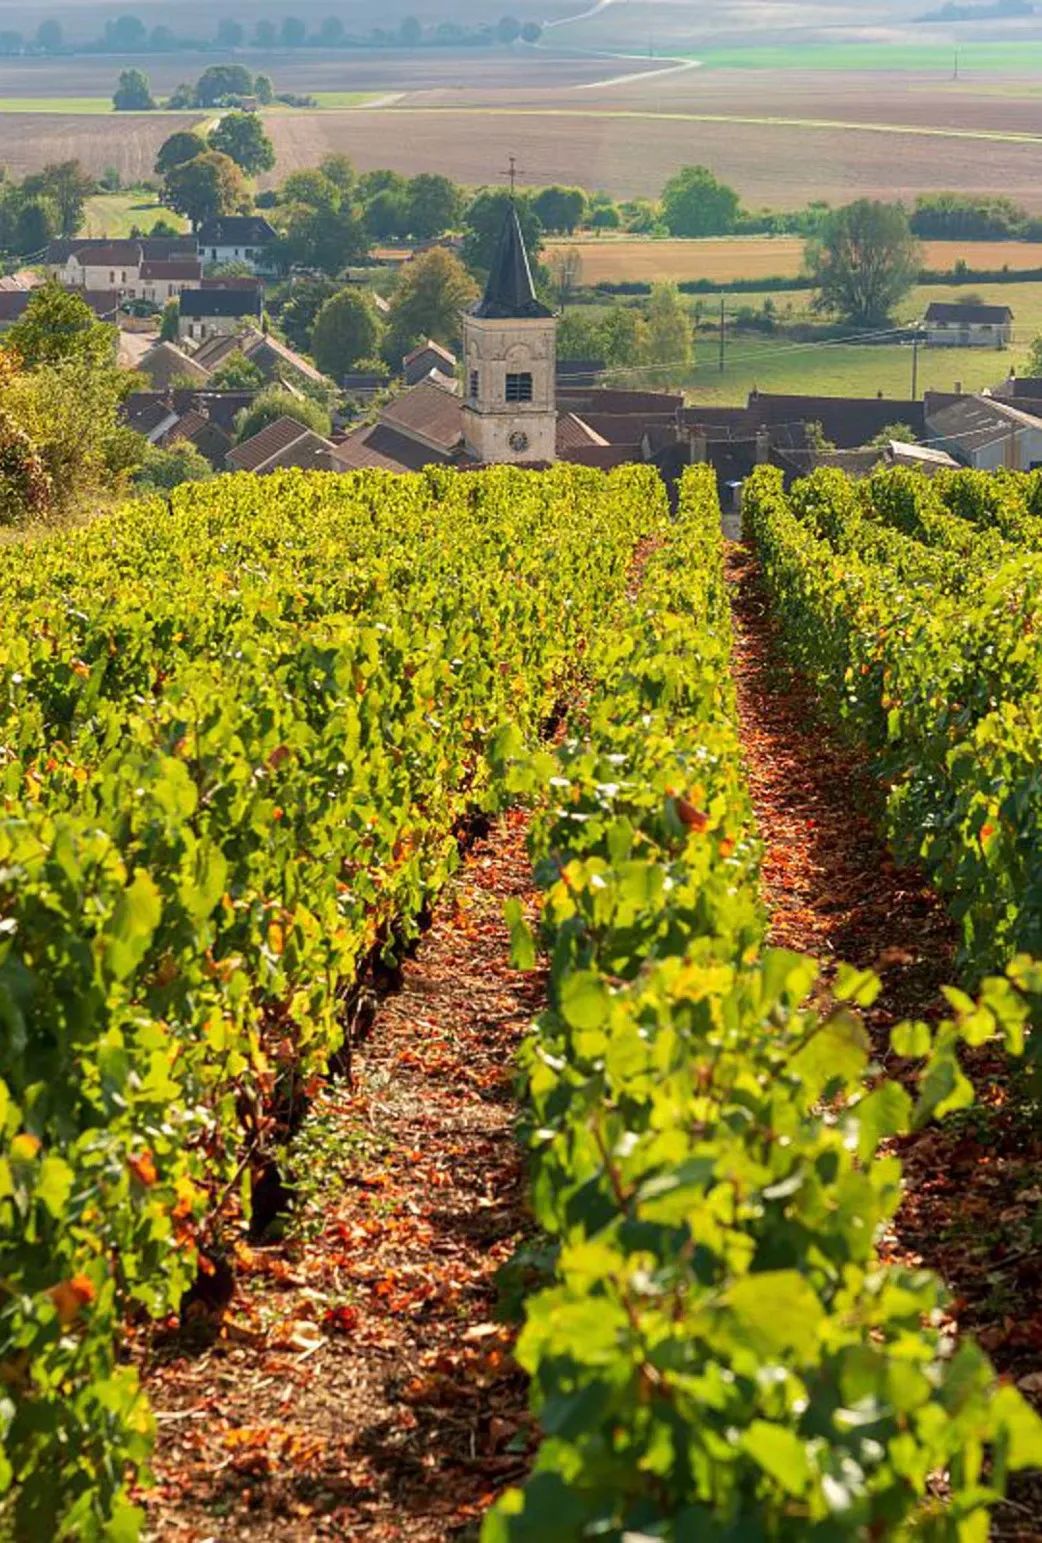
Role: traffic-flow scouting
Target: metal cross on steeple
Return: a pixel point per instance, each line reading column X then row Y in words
column 512, row 175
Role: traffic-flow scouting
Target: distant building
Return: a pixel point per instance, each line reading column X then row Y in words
column 237, row 238
column 101, row 264
column 509, row 362
column 209, row 313
column 968, row 326
column 429, row 359
column 283, row 443
column 984, row 432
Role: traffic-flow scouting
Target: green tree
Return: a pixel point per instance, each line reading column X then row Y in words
column 306, row 299
column 410, row 32
column 346, row 329
column 331, row 32
column 264, row 34
column 241, row 137
column 183, row 146
column 623, row 337
column 640, row 215
column 230, row 33
column 899, row 431
column 35, row 224
column 57, row 325
column 133, row 94
column 579, row 336
column 434, row 205
column 483, row 221
column 1034, row 360
column 387, row 215
column 605, row 217
column 310, row 187
column 221, row 81
column 694, row 203
column 531, row 32
column 264, row 90
column 339, row 170
column 864, row 262
column 125, row 35
column 67, row 185
column 293, row 33
column 205, row 187
column 236, row 373
column 161, row 470
column 560, row 210
column 168, row 326
column 508, row 29
column 670, row 333
column 431, row 294
column 327, row 239
column 50, row 36
column 277, row 402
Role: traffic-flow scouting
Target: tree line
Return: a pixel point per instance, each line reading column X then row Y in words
column 129, row 34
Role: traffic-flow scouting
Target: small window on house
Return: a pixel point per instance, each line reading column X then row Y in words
column 112, row 278
column 475, row 382
column 519, row 387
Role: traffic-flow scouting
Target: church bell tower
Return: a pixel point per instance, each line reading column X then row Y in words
column 510, row 362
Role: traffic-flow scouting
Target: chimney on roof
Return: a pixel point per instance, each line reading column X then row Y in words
column 763, row 446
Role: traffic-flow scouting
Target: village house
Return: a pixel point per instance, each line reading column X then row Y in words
column 281, row 444
column 122, row 265
column 950, row 325
column 983, row 431
column 430, row 359
column 208, row 313
column 237, row 238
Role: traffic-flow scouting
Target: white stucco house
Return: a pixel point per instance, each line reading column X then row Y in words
column 949, row 325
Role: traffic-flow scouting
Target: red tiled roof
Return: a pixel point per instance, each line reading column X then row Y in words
column 272, row 439
column 573, row 433
column 115, row 254
column 378, row 445
column 189, row 268
column 430, row 347
column 430, row 411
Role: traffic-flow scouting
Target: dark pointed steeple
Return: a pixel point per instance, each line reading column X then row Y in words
column 510, row 292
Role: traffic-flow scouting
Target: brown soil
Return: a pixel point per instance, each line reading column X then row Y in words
column 776, row 165
column 972, row 1196
column 360, row 1385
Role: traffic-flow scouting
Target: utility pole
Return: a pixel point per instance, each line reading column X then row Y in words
column 723, row 334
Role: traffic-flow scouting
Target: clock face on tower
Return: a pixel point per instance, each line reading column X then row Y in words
column 518, row 441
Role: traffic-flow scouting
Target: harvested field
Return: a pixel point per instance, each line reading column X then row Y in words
column 608, row 261
column 128, row 141
column 773, row 164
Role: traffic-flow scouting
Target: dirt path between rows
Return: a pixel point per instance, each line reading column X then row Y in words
column 971, row 1210
column 360, row 1386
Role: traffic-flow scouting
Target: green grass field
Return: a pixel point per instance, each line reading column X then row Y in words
column 823, row 368
column 56, row 104
column 344, row 98
column 1005, row 58
column 115, row 214
column 837, row 369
